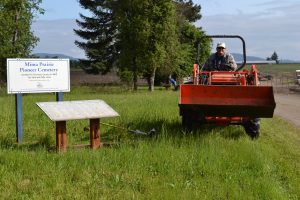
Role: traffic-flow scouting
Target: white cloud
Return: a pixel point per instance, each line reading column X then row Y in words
column 272, row 3
column 274, row 29
column 274, row 26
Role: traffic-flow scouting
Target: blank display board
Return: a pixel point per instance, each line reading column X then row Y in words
column 72, row 110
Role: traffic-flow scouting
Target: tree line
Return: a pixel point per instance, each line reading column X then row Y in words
column 137, row 38
column 140, row 38
column 16, row 38
column 274, row 57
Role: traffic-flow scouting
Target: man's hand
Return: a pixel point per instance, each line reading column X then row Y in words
column 225, row 67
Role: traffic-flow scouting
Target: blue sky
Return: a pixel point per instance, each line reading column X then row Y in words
column 266, row 25
column 60, row 9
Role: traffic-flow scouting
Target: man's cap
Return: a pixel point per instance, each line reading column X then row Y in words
column 221, row 45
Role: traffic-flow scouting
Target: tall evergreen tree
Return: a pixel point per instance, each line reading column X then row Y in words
column 275, row 57
column 99, row 32
column 16, row 38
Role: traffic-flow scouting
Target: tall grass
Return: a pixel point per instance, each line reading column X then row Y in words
column 211, row 163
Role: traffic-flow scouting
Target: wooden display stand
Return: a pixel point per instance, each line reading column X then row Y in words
column 61, row 135
column 62, row 111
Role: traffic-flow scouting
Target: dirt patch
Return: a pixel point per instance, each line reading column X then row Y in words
column 288, row 107
column 81, row 78
column 287, row 98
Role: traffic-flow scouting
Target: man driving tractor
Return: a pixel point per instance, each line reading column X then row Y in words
column 224, row 61
column 222, row 93
column 221, row 60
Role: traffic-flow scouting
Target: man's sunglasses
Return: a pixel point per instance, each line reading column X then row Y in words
column 220, row 48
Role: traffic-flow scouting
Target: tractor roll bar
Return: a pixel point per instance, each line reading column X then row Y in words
column 228, row 36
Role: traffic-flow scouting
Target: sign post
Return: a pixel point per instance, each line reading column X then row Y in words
column 19, row 129
column 59, row 96
column 36, row 76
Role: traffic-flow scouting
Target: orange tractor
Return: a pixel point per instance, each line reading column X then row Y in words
column 226, row 97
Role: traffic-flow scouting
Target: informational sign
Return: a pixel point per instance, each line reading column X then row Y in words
column 38, row 75
column 71, row 110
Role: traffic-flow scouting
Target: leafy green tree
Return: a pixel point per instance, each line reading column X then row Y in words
column 16, row 38
column 163, row 43
column 190, row 37
column 99, row 32
column 148, row 38
column 133, row 33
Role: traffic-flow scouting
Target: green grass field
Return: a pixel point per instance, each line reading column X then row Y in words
column 278, row 68
column 211, row 163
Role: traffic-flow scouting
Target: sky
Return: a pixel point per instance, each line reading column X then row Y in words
column 266, row 26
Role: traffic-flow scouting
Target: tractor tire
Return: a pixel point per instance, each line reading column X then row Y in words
column 252, row 128
column 189, row 123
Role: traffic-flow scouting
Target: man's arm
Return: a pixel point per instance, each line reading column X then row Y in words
column 209, row 64
column 231, row 62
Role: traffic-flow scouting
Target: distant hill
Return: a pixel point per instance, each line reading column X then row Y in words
column 288, row 61
column 239, row 57
column 52, row 55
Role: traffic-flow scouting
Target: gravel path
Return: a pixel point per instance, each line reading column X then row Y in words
column 288, row 107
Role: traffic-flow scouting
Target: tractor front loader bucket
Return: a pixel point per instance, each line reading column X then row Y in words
column 226, row 101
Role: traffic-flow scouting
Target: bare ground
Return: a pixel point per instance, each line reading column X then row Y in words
column 288, row 107
column 81, row 78
column 287, row 98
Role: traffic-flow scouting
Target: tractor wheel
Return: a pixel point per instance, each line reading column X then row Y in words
column 252, row 127
column 191, row 123
column 188, row 123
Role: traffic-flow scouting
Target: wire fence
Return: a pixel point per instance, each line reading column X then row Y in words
column 281, row 81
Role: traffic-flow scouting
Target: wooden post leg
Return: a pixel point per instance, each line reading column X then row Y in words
column 61, row 136
column 95, row 133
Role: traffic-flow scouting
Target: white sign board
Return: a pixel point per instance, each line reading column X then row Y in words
column 71, row 110
column 38, row 75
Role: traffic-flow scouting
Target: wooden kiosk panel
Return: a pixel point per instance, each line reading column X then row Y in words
column 62, row 111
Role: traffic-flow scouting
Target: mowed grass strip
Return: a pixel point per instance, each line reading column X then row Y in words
column 211, row 163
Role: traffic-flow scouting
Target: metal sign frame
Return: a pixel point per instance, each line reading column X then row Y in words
column 47, row 70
